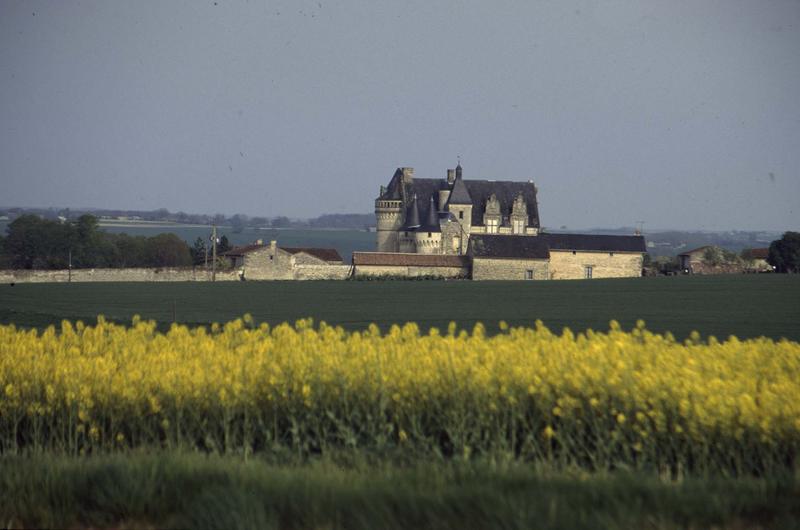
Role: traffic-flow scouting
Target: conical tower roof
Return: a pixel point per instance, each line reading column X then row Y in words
column 459, row 194
column 432, row 220
column 412, row 215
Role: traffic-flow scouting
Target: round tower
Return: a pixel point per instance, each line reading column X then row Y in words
column 428, row 237
column 389, row 222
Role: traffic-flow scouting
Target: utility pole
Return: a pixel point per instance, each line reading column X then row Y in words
column 214, row 254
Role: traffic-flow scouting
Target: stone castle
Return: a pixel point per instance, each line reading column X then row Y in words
column 437, row 216
column 484, row 229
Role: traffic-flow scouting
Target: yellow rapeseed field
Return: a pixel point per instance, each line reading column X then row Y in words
column 595, row 400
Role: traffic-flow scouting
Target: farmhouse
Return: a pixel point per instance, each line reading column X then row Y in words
column 271, row 262
column 495, row 224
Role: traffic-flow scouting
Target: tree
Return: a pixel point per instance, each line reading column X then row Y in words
column 36, row 243
column 223, row 245
column 238, row 222
column 784, row 253
column 281, row 222
column 198, row 250
column 747, row 258
column 713, row 257
column 168, row 250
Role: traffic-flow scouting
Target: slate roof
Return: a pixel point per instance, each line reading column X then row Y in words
column 412, row 215
column 594, row 242
column 459, row 194
column 431, row 219
column 325, row 254
column 406, row 259
column 475, row 192
column 507, row 246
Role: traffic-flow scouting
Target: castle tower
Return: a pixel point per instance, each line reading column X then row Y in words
column 429, row 234
column 389, row 212
column 411, row 225
column 460, row 205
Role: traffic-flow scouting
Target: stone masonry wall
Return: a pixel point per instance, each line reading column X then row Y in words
column 322, row 272
column 269, row 263
column 509, row 269
column 115, row 275
column 564, row 265
column 410, row 271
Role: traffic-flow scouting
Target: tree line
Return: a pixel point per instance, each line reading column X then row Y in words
column 32, row 242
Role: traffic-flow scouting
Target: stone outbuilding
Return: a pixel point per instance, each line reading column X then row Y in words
column 271, row 262
column 503, row 257
column 586, row 256
column 555, row 257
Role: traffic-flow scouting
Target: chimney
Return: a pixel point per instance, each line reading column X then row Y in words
column 458, row 171
column 273, row 246
column 408, row 175
column 451, row 176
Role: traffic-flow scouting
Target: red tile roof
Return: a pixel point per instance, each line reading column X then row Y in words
column 412, row 260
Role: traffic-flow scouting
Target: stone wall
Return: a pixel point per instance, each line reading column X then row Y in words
column 322, row 272
column 116, row 275
column 509, row 269
column 410, row 271
column 268, row 263
column 569, row 265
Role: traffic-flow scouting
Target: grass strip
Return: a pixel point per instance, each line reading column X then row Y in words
column 180, row 490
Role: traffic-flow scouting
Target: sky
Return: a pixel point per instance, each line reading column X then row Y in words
column 682, row 114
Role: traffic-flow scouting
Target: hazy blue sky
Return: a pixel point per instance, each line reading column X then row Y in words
column 681, row 114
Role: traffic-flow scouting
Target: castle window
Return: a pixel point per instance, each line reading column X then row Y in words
column 429, row 234
column 588, row 272
column 461, row 215
column 529, row 274
column 518, row 226
column 491, row 226
column 573, row 252
column 611, row 254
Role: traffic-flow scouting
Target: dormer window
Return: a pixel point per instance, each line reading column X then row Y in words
column 461, row 214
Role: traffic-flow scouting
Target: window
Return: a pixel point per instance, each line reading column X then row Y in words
column 518, row 226
column 611, row 254
column 491, row 226
column 461, row 214
column 429, row 234
column 529, row 274
column 588, row 270
column 271, row 257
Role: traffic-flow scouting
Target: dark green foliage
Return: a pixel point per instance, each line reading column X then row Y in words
column 784, row 253
column 36, row 243
column 198, row 251
column 168, row 250
column 224, row 245
column 741, row 305
column 363, row 491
